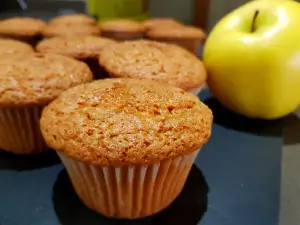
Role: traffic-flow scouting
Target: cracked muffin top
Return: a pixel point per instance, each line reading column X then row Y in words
column 79, row 47
column 122, row 25
column 73, row 19
column 126, row 121
column 21, row 26
column 166, row 63
column 54, row 30
column 184, row 32
column 38, row 78
column 8, row 47
column 158, row 22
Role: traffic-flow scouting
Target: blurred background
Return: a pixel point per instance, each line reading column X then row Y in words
column 203, row 13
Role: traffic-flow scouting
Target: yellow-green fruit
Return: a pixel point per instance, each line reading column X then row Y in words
column 253, row 59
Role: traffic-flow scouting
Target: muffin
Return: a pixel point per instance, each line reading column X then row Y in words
column 13, row 47
column 85, row 48
column 128, row 145
column 188, row 37
column 27, row 85
column 22, row 28
column 73, row 19
column 122, row 29
column 55, row 30
column 152, row 60
column 157, row 22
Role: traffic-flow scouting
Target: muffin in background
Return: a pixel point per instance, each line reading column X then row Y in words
column 64, row 30
column 27, row 84
column 188, row 37
column 73, row 19
column 14, row 47
column 84, row 48
column 22, row 28
column 165, row 63
column 158, row 22
column 128, row 145
column 122, row 29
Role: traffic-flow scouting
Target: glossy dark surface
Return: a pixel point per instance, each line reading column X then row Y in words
column 235, row 181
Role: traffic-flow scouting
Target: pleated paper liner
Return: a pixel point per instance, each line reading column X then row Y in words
column 20, row 130
column 196, row 91
column 129, row 191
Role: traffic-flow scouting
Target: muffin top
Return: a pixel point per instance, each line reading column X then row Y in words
column 79, row 47
column 21, row 26
column 73, row 19
column 166, row 63
column 125, row 122
column 38, row 78
column 161, row 22
column 122, row 25
column 185, row 32
column 8, row 46
column 70, row 30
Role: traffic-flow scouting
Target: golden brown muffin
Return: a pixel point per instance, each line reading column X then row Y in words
column 78, row 47
column 122, row 29
column 73, row 19
column 138, row 137
column 22, row 28
column 27, row 85
column 188, row 37
column 13, row 47
column 161, row 62
column 158, row 22
column 85, row 48
column 70, row 30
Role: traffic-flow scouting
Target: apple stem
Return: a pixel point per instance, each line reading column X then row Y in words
column 253, row 28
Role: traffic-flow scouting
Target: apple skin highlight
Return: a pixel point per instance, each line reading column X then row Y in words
column 254, row 64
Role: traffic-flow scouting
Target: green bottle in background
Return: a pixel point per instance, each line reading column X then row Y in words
column 117, row 9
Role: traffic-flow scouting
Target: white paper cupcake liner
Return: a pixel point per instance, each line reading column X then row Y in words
column 129, row 191
column 20, row 130
column 196, row 91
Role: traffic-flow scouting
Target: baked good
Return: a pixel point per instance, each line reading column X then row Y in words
column 188, row 37
column 157, row 22
column 122, row 29
column 128, row 145
column 22, row 28
column 54, row 30
column 78, row 47
column 27, row 84
column 73, row 19
column 84, row 48
column 152, row 60
column 13, row 47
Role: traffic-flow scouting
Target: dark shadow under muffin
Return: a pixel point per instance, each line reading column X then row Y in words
column 84, row 48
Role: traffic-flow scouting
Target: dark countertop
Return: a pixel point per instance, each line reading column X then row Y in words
column 236, row 180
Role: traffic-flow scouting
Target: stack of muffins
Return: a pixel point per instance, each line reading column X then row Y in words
column 129, row 138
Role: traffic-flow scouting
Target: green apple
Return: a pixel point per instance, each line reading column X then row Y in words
column 253, row 59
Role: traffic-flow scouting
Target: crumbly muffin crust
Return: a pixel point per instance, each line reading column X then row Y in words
column 70, row 30
column 128, row 26
column 126, row 121
column 21, row 26
column 152, row 60
column 73, row 19
column 184, row 32
column 8, row 47
column 38, row 78
column 161, row 22
column 79, row 47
